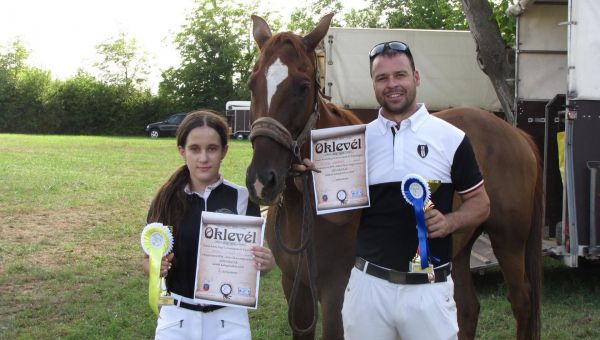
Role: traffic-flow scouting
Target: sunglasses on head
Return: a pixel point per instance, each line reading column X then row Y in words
column 390, row 45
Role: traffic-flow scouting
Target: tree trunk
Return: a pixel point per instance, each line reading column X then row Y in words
column 495, row 59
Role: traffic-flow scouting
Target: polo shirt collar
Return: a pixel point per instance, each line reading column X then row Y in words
column 188, row 190
column 415, row 121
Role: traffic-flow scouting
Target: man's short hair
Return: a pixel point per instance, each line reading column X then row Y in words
column 390, row 49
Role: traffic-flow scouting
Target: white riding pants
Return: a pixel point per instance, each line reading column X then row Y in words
column 378, row 309
column 229, row 323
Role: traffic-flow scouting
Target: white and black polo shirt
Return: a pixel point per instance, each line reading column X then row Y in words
column 222, row 196
column 425, row 145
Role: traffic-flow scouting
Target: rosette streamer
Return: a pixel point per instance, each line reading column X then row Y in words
column 416, row 192
column 157, row 242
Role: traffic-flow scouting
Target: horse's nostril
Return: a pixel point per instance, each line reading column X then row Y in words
column 271, row 179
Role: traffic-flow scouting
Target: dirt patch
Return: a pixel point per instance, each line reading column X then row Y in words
column 38, row 224
column 54, row 252
column 44, row 237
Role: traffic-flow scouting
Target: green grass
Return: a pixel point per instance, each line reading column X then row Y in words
column 72, row 208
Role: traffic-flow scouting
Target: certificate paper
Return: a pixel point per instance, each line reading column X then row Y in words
column 340, row 154
column 225, row 273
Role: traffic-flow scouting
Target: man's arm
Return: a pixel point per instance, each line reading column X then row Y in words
column 474, row 210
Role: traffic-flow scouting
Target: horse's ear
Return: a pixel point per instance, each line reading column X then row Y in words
column 260, row 30
column 314, row 38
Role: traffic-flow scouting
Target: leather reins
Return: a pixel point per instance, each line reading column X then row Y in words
column 273, row 129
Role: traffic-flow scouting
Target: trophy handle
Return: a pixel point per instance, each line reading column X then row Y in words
column 165, row 298
column 434, row 184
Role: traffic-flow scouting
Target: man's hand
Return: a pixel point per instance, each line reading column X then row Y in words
column 438, row 225
column 306, row 165
column 301, row 169
column 474, row 210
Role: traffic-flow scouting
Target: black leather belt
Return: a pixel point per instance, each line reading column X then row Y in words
column 441, row 273
column 197, row 308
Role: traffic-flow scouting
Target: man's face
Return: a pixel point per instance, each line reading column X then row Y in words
column 395, row 84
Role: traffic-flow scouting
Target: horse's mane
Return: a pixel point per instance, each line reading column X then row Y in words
column 348, row 115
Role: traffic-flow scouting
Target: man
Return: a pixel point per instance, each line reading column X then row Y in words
column 386, row 297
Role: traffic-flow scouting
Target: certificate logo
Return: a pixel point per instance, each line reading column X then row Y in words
column 341, row 196
column 226, row 290
column 244, row 291
column 324, row 197
column 205, row 287
column 356, row 193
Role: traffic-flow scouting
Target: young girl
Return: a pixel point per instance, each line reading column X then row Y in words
column 195, row 187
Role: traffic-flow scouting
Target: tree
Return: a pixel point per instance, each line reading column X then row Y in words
column 216, row 57
column 123, row 63
column 8, row 82
column 31, row 102
column 23, row 92
column 493, row 32
column 13, row 58
column 426, row 14
column 12, row 62
column 304, row 19
column 494, row 56
column 366, row 17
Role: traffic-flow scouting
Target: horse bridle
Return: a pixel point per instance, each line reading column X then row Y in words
column 273, row 129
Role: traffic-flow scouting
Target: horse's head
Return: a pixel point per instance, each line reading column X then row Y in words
column 284, row 105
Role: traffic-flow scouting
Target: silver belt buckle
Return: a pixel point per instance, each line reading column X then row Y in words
column 431, row 276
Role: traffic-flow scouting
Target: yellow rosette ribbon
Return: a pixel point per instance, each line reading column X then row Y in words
column 157, row 242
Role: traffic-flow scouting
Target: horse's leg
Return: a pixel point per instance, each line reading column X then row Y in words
column 303, row 309
column 467, row 303
column 335, row 259
column 509, row 248
column 331, row 294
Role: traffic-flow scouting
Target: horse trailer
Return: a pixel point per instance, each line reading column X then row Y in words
column 238, row 118
column 557, row 101
column 446, row 60
column 450, row 77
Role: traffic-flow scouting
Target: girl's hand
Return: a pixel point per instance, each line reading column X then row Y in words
column 165, row 265
column 263, row 259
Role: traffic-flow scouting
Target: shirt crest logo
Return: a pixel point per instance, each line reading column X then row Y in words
column 423, row 150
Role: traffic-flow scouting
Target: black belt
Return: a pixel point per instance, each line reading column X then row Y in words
column 197, row 308
column 441, row 273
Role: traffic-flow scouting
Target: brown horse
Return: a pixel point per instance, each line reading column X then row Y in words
column 286, row 104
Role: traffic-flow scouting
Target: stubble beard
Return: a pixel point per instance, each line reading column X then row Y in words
column 404, row 110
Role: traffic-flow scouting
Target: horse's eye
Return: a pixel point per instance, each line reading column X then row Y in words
column 303, row 88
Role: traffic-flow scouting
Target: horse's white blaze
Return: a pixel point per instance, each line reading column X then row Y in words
column 258, row 186
column 276, row 74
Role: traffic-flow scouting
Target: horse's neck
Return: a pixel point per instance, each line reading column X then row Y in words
column 327, row 117
column 335, row 116
column 294, row 191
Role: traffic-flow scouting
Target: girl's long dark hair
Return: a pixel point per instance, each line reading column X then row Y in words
column 169, row 205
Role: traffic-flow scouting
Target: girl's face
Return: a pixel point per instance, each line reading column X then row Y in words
column 203, row 154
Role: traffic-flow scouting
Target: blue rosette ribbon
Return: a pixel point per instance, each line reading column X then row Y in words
column 416, row 192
